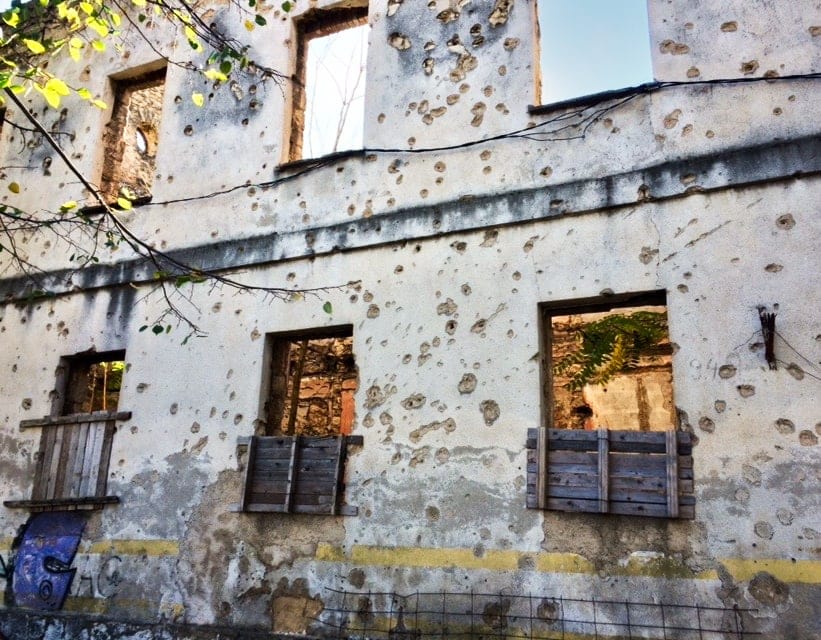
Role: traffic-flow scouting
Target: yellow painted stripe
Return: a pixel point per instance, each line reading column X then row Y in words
column 135, row 547
column 806, row 571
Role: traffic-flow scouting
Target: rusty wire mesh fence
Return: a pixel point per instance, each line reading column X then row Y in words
column 392, row 616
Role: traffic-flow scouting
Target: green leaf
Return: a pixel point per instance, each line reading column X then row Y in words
column 34, row 46
column 260, row 20
column 328, row 308
column 287, row 6
column 225, row 67
column 143, row 328
column 157, row 329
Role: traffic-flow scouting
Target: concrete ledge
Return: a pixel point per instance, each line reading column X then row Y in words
column 735, row 168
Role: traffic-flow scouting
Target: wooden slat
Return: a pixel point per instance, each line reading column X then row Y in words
column 672, row 475
column 337, row 476
column 76, row 479
column 92, row 473
column 54, row 464
column 249, row 474
column 62, row 479
column 96, row 501
column 619, row 508
column 96, row 416
column 542, row 448
column 105, row 458
column 604, row 466
column 292, row 463
column 41, row 473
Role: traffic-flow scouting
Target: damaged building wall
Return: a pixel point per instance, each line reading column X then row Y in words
column 447, row 257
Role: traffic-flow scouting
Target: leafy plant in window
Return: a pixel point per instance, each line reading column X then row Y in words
column 611, row 345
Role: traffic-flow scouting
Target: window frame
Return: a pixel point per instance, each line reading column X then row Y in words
column 314, row 23
column 294, row 473
column 588, row 453
column 74, row 454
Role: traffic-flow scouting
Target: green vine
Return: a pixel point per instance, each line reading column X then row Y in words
column 610, row 346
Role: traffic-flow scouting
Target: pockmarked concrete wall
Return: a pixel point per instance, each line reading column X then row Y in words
column 438, row 260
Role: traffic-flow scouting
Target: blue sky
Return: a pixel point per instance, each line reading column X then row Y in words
column 592, row 45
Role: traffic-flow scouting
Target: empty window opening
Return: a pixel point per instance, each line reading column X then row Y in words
column 589, row 46
column 313, row 381
column 131, row 138
column 610, row 368
column 93, row 382
column 329, row 87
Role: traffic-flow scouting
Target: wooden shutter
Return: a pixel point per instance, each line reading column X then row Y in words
column 296, row 474
column 646, row 473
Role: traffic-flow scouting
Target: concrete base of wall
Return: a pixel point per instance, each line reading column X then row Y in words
column 21, row 624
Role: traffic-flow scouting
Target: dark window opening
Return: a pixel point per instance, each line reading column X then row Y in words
column 131, row 138
column 609, row 444
column 76, row 439
column 298, row 465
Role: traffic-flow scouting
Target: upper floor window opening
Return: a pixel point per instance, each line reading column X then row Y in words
column 131, row 138
column 590, row 46
column 329, row 83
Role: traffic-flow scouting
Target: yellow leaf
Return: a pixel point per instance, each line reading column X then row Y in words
column 124, row 203
column 68, row 206
column 51, row 96
column 12, row 19
column 76, row 43
column 138, row 3
column 198, row 99
column 213, row 74
column 87, row 7
column 84, row 93
column 99, row 104
column 115, row 19
column 249, row 25
column 98, row 45
column 34, row 46
column 74, row 53
column 14, row 187
column 99, row 26
column 58, row 86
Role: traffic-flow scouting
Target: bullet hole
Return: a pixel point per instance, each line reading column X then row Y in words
column 452, row 99
column 742, row 495
column 706, row 424
column 490, row 411
column 367, row 421
column 683, row 288
column 467, row 384
column 768, row 590
column 459, row 246
column 502, row 108
column 784, row 426
column 500, row 13
column 464, row 87
column 693, row 72
column 478, row 111
column 450, row 327
column 414, row 401
column 448, row 15
column 777, row 111
column 419, row 457
column 490, row 238
column 396, row 457
column 440, row 167
column 393, row 7
column 238, row 418
column 807, row 438
column 784, row 516
column 26, row 403
column 749, row 67
column 374, row 397
column 673, row 48
column 726, row 371
column 488, row 91
column 411, row 141
column 448, row 425
column 487, row 170
column 399, row 41
column 357, row 578
column 423, row 193
column 764, row 530
column 671, row 119
column 177, row 99
column 189, row 130
column 751, row 474
column 255, row 334
column 546, row 172
column 814, row 31
column 773, row 268
column 647, row 255
column 729, row 27
column 432, row 513
column 687, row 130
column 795, row 371
column 407, row 358
column 134, row 429
column 510, row 43
column 720, row 406
column 174, row 408
column 746, row 390
column 479, row 326
column 195, row 427
column 380, row 118
column 373, row 311
column 785, row 222
column 245, row 122
column 351, row 209
column 446, row 308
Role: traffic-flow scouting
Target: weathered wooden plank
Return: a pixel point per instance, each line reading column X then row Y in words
column 54, row 464
column 105, row 458
column 249, row 473
column 90, row 484
column 672, row 475
column 541, row 475
column 337, row 474
column 62, row 479
column 95, row 416
column 293, row 461
column 604, row 473
column 616, row 495
column 61, row 502
column 619, row 508
column 38, row 490
column 75, row 480
column 620, row 441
